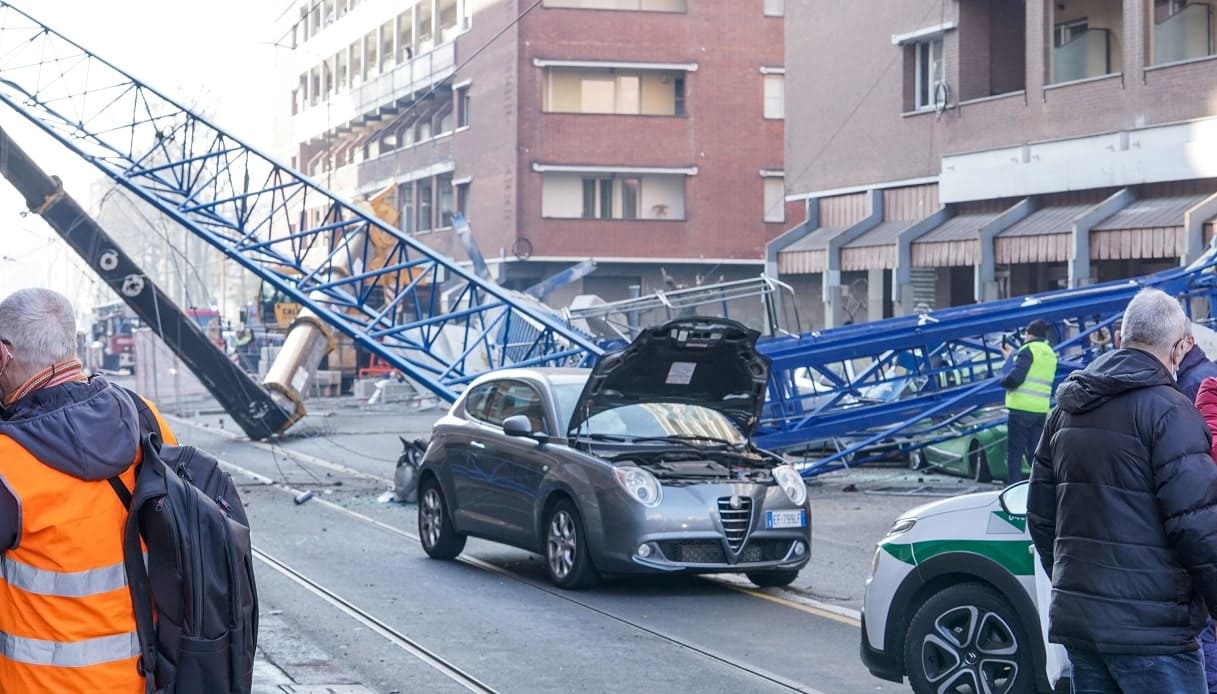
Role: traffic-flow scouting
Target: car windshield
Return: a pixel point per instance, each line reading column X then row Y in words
column 650, row 419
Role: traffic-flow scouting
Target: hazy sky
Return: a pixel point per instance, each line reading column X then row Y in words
column 212, row 52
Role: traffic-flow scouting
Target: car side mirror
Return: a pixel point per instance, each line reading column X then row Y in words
column 519, row 425
column 1014, row 499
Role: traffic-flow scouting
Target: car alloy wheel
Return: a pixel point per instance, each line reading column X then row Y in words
column 566, row 555
column 435, row 531
column 967, row 638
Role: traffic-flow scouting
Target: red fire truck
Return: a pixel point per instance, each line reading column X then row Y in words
column 113, row 344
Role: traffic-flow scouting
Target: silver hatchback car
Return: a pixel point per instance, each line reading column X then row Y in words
column 642, row 464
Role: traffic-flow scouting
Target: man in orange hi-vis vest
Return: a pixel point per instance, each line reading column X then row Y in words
column 66, row 621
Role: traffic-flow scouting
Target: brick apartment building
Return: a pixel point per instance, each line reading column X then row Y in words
column 952, row 151
column 645, row 134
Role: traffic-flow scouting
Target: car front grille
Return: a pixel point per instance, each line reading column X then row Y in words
column 736, row 521
column 693, row 551
column 765, row 550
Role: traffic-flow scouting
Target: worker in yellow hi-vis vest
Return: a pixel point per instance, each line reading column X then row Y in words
column 1027, row 377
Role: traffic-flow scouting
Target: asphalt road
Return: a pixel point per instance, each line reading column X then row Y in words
column 348, row 596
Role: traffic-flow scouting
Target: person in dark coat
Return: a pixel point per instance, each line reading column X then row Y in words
column 1122, row 508
column 1195, row 368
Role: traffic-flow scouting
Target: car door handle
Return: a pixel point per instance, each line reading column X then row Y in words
column 476, row 444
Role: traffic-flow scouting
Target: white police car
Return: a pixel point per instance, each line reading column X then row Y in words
column 950, row 602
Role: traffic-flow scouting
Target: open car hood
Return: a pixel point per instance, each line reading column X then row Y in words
column 711, row 362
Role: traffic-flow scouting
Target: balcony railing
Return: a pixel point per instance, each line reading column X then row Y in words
column 370, row 96
column 1185, row 35
column 1086, row 55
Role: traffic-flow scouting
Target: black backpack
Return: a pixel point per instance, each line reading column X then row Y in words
column 199, row 574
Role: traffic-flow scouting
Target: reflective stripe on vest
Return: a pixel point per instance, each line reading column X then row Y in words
column 1034, row 394
column 68, row 585
column 97, row 651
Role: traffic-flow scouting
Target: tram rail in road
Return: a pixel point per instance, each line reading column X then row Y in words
column 393, row 636
column 404, row 642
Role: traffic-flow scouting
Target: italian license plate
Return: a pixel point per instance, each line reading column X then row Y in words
column 784, row 519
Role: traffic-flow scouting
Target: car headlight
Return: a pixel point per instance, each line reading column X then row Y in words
column 792, row 483
column 902, row 525
column 639, row 484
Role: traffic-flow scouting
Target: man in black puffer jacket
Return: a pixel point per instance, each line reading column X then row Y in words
column 1123, row 512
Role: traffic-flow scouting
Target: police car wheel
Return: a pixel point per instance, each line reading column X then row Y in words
column 967, row 638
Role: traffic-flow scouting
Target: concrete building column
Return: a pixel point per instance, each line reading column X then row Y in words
column 1079, row 262
column 833, row 296
column 810, row 223
column 1039, row 47
column 986, row 272
column 902, row 280
column 1193, row 228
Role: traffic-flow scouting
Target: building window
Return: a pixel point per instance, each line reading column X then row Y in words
column 314, row 84
column 462, row 199
column 1182, row 31
column 775, row 199
column 340, row 67
column 929, row 73
column 405, row 207
column 423, row 130
column 630, row 194
column 614, row 91
column 300, row 29
column 636, row 5
column 1065, row 32
column 425, row 222
column 355, row 51
column 387, row 54
column 609, row 196
column 775, row 8
column 426, row 32
column 597, row 198
column 448, row 24
column 369, row 55
column 405, row 36
column 463, row 104
column 443, row 120
column 1087, row 39
column 775, row 96
column 446, row 194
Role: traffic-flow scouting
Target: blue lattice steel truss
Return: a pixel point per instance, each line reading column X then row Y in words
column 842, row 395
column 364, row 278
column 834, row 394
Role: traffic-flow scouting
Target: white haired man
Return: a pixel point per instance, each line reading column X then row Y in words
column 65, row 610
column 1122, row 509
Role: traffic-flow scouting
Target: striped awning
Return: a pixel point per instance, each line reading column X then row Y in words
column 953, row 243
column 1148, row 228
column 807, row 255
column 1043, row 237
column 876, row 249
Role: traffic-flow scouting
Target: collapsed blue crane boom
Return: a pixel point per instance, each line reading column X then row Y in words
column 909, row 380
column 364, row 278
